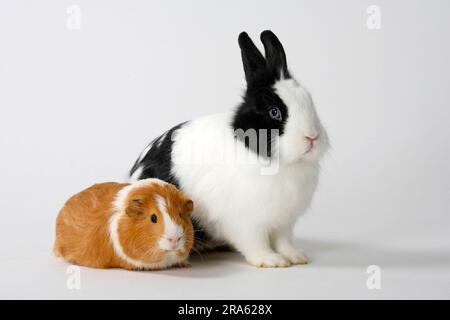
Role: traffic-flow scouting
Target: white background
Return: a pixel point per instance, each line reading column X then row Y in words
column 77, row 107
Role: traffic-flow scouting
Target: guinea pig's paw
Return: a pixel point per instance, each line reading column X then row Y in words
column 295, row 256
column 269, row 260
column 182, row 264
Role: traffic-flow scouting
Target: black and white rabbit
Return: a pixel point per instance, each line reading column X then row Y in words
column 248, row 194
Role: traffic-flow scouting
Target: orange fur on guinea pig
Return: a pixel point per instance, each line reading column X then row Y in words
column 144, row 225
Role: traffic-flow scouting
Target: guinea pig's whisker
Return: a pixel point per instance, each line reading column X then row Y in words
column 203, row 245
column 198, row 241
column 198, row 252
column 197, row 229
column 151, row 252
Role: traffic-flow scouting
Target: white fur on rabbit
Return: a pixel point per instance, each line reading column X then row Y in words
column 247, row 194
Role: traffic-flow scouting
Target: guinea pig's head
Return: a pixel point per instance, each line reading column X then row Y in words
column 156, row 225
column 275, row 103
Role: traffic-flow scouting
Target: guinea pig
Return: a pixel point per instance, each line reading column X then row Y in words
column 141, row 226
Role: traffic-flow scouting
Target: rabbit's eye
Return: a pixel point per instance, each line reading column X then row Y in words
column 275, row 113
column 154, row 218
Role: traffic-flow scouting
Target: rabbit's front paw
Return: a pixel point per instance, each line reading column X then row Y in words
column 269, row 260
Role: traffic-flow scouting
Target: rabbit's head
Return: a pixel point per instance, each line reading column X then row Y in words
column 276, row 107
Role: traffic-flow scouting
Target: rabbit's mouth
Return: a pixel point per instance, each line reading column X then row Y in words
column 310, row 148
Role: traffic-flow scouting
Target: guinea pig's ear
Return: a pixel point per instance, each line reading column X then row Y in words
column 188, row 206
column 135, row 207
column 275, row 56
column 252, row 58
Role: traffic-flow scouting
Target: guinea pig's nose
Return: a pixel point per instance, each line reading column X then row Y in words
column 173, row 241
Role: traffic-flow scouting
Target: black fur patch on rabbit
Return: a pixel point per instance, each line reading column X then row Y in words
column 157, row 162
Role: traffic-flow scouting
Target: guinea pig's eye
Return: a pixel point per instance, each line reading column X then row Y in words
column 275, row 113
column 154, row 218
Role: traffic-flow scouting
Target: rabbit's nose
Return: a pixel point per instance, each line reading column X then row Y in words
column 312, row 138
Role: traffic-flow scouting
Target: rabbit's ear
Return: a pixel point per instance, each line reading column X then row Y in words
column 252, row 58
column 275, row 56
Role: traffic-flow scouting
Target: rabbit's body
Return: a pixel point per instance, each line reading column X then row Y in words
column 232, row 195
column 245, row 197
